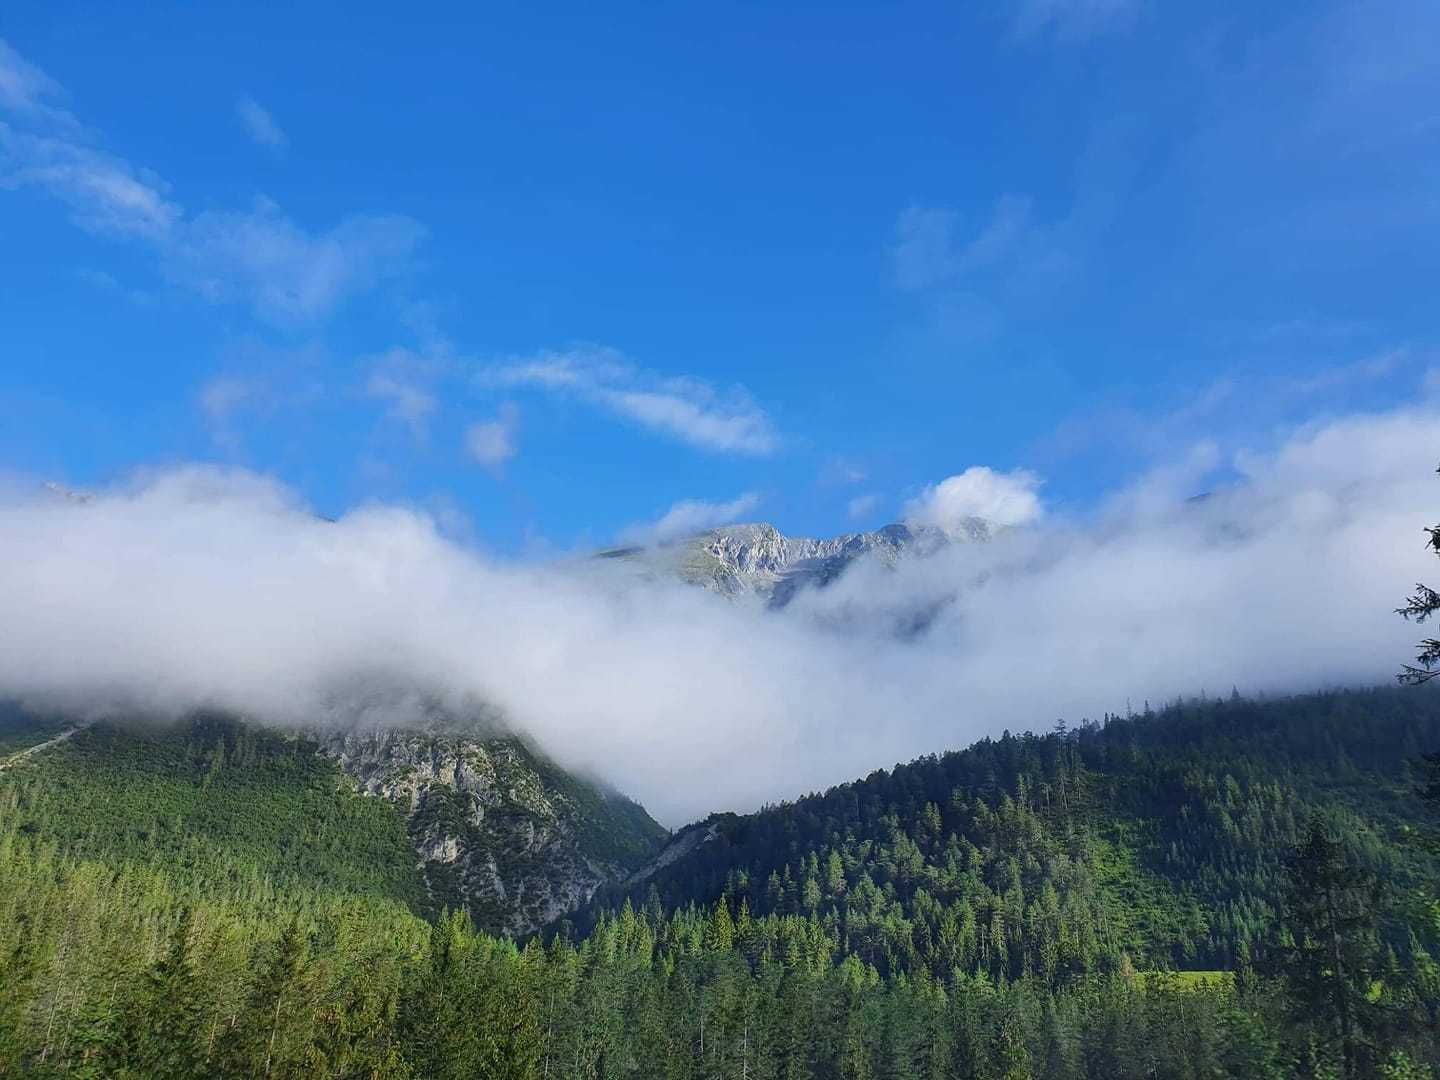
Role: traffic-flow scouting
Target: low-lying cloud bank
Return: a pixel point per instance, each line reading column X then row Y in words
column 204, row 587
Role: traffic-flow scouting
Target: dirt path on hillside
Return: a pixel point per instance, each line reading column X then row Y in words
column 16, row 758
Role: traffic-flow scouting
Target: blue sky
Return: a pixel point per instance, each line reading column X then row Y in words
column 549, row 275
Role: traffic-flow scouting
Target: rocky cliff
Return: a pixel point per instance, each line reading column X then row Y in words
column 499, row 829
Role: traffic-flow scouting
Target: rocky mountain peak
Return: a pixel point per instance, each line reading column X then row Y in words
column 757, row 559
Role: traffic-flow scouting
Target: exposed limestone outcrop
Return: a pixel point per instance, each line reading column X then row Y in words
column 497, row 828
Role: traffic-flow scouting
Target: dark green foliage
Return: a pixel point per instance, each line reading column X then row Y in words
column 1159, row 840
column 1000, row 913
column 473, row 1012
column 217, row 799
column 1329, row 952
column 20, row 728
column 1430, row 780
column 159, row 1029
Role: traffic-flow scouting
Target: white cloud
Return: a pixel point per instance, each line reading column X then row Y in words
column 688, row 517
column 260, row 125
column 492, row 443
column 687, row 409
column 979, row 492
column 105, row 194
column 287, row 274
column 198, row 587
column 862, row 506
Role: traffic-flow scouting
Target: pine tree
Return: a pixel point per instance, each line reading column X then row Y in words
column 1331, row 914
column 256, row 1044
column 1012, row 1056
column 1418, row 607
column 160, row 1037
column 720, row 935
column 19, row 973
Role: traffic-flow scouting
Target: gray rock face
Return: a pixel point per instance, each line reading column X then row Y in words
column 760, row 560
column 680, row 845
column 496, row 828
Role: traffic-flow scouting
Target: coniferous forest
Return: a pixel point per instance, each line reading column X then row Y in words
column 599, row 542
column 1217, row 888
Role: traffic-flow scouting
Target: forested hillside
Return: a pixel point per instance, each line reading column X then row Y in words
column 214, row 801
column 1142, row 897
column 478, row 821
column 1161, row 838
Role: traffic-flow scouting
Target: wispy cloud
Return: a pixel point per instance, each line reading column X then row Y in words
column 492, row 443
column 973, row 275
column 287, row 274
column 104, row 193
column 1072, row 19
column 106, row 282
column 688, row 409
column 688, row 517
column 222, row 395
column 406, row 400
column 224, row 399
column 25, row 89
column 862, row 506
column 979, row 271
column 259, row 124
column 258, row 380
column 930, row 251
column 839, row 470
column 1233, row 407
column 923, row 251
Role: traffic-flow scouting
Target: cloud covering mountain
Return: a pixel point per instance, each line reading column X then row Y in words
column 195, row 586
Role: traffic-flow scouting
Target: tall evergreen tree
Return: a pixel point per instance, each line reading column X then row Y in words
column 160, row 1034
column 1418, row 607
column 1331, row 913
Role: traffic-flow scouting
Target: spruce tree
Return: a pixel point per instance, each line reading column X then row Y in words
column 1331, row 915
column 160, row 1037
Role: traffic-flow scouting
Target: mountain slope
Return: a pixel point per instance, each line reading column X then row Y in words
column 166, row 911
column 481, row 822
column 500, row 830
column 218, row 798
column 1160, row 838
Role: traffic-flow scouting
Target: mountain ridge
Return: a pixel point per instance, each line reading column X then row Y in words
column 758, row 560
column 1181, row 818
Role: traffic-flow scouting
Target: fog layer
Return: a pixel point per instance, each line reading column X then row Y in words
column 197, row 586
